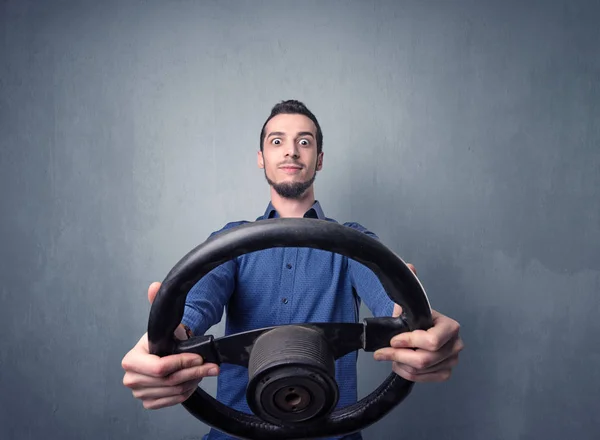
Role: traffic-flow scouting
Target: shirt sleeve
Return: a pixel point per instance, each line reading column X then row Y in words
column 367, row 285
column 207, row 299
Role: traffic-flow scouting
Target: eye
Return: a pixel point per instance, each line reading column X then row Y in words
column 304, row 142
column 276, row 141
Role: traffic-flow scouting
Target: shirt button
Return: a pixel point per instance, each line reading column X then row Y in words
column 284, row 300
column 289, row 266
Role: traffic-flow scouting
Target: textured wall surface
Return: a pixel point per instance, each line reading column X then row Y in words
column 465, row 133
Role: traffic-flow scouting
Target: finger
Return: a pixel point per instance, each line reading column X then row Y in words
column 412, row 267
column 138, row 381
column 166, row 401
column 160, row 392
column 438, row 376
column 139, row 361
column 443, row 330
column 153, row 290
column 446, row 364
column 419, row 359
column 415, row 359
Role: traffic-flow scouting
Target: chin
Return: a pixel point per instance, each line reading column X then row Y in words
column 291, row 179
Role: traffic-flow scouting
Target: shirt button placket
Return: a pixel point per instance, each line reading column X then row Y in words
column 288, row 283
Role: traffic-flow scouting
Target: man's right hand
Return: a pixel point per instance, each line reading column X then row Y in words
column 163, row 381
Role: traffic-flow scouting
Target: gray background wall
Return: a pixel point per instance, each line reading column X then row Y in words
column 465, row 133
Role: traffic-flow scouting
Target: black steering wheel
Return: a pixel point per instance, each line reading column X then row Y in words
column 292, row 389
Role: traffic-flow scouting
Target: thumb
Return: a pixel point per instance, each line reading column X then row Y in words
column 412, row 267
column 152, row 291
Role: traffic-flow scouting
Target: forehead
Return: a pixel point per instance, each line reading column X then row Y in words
column 290, row 124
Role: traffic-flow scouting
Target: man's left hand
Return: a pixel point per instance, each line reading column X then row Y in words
column 424, row 356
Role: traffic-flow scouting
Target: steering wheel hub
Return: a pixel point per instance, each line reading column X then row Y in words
column 291, row 376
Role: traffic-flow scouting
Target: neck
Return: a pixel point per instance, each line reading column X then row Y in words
column 293, row 207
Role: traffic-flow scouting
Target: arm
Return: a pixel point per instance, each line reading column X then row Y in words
column 366, row 284
column 207, row 299
column 165, row 381
column 418, row 356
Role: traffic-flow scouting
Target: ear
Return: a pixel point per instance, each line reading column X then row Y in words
column 320, row 161
column 260, row 159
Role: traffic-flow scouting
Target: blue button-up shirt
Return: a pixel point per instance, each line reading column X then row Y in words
column 284, row 286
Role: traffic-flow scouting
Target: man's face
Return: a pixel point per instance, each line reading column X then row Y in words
column 289, row 155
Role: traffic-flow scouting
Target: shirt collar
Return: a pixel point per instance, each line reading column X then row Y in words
column 315, row 211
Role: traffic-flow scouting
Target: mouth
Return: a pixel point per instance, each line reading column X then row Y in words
column 290, row 168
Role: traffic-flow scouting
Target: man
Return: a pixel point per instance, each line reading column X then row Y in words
column 285, row 286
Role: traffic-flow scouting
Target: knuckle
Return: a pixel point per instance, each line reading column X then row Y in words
column 125, row 363
column 397, row 357
column 128, row 381
column 456, row 330
column 445, row 374
column 184, row 363
column 410, row 370
column 128, row 361
column 408, row 376
column 433, row 343
column 421, row 363
column 160, row 369
column 400, row 371
column 155, row 370
column 457, row 327
column 453, row 362
column 181, row 398
column 181, row 389
column 191, row 391
column 202, row 372
column 172, row 381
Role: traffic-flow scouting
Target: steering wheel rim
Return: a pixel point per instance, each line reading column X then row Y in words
column 393, row 273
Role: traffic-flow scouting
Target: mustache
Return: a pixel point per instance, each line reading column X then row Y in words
column 295, row 164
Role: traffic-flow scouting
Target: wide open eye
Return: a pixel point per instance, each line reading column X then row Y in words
column 276, row 141
column 304, row 142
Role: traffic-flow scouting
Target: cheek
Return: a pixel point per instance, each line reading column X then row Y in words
column 269, row 157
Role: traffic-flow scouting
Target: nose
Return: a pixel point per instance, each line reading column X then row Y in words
column 291, row 150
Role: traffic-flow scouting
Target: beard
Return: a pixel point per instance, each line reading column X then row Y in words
column 291, row 190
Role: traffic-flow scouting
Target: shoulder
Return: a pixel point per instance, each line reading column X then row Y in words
column 354, row 225
column 360, row 228
column 228, row 226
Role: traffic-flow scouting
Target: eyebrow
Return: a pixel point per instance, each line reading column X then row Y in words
column 280, row 133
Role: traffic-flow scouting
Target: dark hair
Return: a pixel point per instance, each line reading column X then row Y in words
column 292, row 106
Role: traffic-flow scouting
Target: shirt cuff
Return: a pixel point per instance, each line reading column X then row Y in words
column 194, row 320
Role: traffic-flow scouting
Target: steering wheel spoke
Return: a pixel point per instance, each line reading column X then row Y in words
column 380, row 331
column 343, row 338
column 202, row 345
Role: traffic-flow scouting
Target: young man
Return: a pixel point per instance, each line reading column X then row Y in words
column 285, row 286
